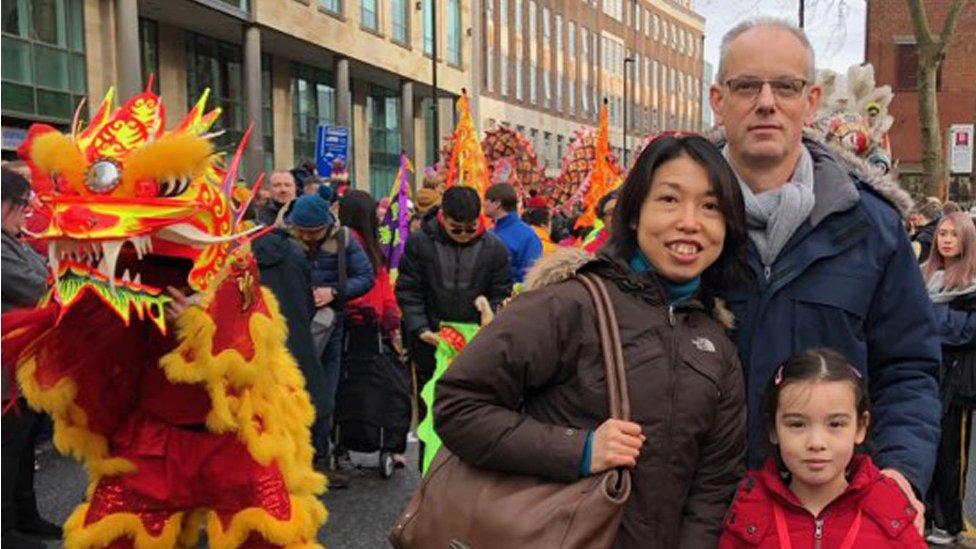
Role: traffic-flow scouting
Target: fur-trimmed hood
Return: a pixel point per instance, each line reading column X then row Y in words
column 886, row 185
column 566, row 262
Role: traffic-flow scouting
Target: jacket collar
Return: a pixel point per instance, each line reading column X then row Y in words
column 565, row 263
column 846, row 163
column 507, row 220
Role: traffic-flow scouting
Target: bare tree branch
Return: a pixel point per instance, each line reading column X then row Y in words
column 920, row 22
column 949, row 27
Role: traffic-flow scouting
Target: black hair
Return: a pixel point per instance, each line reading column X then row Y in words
column 538, row 217
column 357, row 211
column 730, row 269
column 503, row 193
column 461, row 204
column 813, row 365
column 15, row 187
column 601, row 205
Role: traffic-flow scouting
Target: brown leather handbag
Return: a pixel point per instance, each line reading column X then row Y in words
column 460, row 506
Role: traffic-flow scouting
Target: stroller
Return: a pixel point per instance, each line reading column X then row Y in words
column 373, row 401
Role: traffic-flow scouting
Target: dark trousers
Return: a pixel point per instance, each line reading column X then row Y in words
column 946, row 493
column 20, row 429
column 331, row 362
column 423, row 356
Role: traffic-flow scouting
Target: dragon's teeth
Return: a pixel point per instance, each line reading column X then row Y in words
column 111, row 249
column 138, row 278
column 126, row 277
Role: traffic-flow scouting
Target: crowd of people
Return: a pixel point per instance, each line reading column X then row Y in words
column 801, row 368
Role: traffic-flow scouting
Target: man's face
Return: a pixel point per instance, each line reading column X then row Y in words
column 461, row 232
column 765, row 97
column 311, row 235
column 493, row 209
column 283, row 189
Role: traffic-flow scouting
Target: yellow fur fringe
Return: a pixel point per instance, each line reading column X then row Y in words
column 172, row 156
column 57, row 153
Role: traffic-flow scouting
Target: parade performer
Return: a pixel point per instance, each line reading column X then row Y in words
column 157, row 353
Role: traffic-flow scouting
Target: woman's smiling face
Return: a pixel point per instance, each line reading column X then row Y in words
column 680, row 229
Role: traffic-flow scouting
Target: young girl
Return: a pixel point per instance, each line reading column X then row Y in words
column 950, row 274
column 817, row 489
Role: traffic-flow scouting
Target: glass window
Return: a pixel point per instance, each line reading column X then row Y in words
column 218, row 65
column 547, row 63
column 43, row 63
column 503, row 43
column 657, row 27
column 367, row 14
column 533, row 53
column 149, row 51
column 398, row 21
column 559, row 62
column 428, row 27
column 584, row 69
column 313, row 103
column 518, row 50
column 331, row 6
column 489, row 22
column 637, row 17
column 572, row 63
column 383, row 113
column 454, row 32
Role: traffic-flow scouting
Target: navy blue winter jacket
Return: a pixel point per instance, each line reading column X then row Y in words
column 324, row 265
column 848, row 279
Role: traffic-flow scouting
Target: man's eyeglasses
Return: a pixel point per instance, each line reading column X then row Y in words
column 748, row 87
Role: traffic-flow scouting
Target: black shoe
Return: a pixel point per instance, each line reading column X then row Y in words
column 40, row 528
column 21, row 540
column 338, row 478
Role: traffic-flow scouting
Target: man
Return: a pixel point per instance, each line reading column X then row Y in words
column 446, row 264
column 24, row 280
column 340, row 270
column 283, row 190
column 928, row 216
column 524, row 246
column 831, row 262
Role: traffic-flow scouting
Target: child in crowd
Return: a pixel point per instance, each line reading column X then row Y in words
column 819, row 488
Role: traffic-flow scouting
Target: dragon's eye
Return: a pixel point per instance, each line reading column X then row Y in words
column 103, row 176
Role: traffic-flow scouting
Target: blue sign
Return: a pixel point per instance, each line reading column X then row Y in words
column 331, row 143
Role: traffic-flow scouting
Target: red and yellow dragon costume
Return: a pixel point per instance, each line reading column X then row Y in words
column 199, row 421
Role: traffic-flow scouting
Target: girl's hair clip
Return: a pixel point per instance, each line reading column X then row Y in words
column 778, row 378
column 855, row 371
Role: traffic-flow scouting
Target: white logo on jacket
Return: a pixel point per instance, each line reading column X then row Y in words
column 703, row 344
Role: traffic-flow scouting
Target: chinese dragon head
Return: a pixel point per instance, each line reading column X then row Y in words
column 134, row 208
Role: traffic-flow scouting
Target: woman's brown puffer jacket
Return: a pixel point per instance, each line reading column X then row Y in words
column 525, row 392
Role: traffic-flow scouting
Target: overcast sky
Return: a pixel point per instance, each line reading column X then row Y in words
column 835, row 27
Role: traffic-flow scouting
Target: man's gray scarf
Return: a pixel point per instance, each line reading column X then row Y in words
column 773, row 216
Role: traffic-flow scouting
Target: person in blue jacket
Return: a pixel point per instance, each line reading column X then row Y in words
column 524, row 246
column 339, row 270
column 831, row 265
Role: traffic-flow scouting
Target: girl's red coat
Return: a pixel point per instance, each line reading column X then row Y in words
column 887, row 517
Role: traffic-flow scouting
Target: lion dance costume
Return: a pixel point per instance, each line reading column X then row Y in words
column 199, row 421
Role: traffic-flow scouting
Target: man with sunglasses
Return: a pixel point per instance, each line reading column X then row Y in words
column 831, row 264
column 446, row 265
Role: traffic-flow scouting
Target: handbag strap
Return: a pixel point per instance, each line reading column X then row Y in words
column 613, row 355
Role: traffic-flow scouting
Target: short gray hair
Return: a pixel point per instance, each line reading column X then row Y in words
column 773, row 22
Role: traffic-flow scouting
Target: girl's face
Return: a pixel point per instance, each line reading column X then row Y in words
column 816, row 428
column 948, row 241
column 680, row 229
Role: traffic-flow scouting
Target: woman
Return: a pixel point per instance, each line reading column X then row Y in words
column 950, row 274
column 372, row 323
column 528, row 395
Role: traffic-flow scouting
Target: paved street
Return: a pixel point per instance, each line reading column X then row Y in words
column 359, row 516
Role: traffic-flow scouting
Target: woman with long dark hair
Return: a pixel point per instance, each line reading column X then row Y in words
column 375, row 394
column 528, row 395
